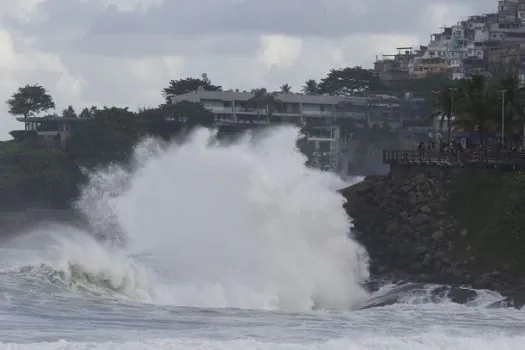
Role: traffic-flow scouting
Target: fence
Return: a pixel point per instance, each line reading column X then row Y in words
column 515, row 160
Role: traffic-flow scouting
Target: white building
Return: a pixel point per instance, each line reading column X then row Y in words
column 324, row 140
column 234, row 107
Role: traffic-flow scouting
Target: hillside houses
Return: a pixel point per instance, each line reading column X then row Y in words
column 477, row 44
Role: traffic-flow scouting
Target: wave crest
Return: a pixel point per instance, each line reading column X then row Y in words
column 243, row 225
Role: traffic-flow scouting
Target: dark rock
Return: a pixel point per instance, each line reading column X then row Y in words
column 392, row 228
column 461, row 295
column 420, row 250
column 438, row 235
column 427, row 260
column 415, row 267
column 419, row 220
column 403, row 223
column 425, row 209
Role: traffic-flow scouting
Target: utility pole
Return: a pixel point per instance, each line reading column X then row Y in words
column 502, row 92
column 437, row 129
column 452, row 90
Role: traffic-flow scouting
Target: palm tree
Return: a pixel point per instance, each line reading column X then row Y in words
column 477, row 105
column 444, row 105
column 263, row 100
column 286, row 88
column 310, row 87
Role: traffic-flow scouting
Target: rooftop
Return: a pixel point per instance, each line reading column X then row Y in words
column 196, row 96
column 51, row 119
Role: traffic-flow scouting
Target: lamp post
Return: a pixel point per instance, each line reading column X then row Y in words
column 502, row 92
column 452, row 90
column 434, row 128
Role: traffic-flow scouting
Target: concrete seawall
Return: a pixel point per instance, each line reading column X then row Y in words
column 15, row 222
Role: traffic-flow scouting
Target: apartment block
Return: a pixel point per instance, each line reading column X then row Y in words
column 332, row 120
column 324, row 138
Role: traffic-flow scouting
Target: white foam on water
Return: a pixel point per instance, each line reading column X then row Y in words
column 246, row 225
column 421, row 342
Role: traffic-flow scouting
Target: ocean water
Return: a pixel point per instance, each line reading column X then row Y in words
column 208, row 246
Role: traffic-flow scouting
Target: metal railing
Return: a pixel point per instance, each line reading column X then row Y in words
column 454, row 157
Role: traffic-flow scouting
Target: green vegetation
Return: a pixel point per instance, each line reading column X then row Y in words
column 477, row 103
column 33, row 174
column 47, row 173
column 489, row 204
column 30, row 100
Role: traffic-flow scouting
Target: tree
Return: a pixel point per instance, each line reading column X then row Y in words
column 84, row 114
column 348, row 81
column 157, row 122
column 286, row 88
column 310, row 87
column 476, row 106
column 173, row 120
column 263, row 100
column 107, row 136
column 69, row 112
column 442, row 104
column 183, row 86
column 35, row 175
column 30, row 100
column 88, row 113
column 192, row 114
column 423, row 86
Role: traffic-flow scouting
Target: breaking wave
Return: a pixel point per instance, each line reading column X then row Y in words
column 244, row 225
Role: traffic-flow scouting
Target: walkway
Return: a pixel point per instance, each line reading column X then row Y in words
column 513, row 160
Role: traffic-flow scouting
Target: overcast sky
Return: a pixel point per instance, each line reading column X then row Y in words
column 123, row 52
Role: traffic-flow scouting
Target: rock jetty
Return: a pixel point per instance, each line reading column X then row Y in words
column 405, row 222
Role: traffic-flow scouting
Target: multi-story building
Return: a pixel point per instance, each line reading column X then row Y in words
column 331, row 121
column 324, row 139
column 236, row 107
column 392, row 68
column 470, row 46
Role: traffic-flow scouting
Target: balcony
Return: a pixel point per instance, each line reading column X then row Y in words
column 320, row 114
column 351, row 115
column 219, row 109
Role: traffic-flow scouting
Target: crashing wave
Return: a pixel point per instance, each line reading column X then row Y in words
column 244, row 225
column 77, row 278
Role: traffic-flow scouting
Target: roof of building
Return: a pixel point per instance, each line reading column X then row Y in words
column 197, row 96
column 51, row 119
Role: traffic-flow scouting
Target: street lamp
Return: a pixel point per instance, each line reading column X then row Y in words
column 502, row 92
column 450, row 112
column 434, row 128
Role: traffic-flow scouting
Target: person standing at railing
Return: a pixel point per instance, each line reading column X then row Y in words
column 421, row 150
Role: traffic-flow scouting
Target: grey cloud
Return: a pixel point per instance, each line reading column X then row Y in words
column 204, row 17
column 292, row 17
column 218, row 27
column 141, row 45
column 110, row 80
column 216, row 36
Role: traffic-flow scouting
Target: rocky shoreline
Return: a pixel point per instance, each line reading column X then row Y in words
column 404, row 221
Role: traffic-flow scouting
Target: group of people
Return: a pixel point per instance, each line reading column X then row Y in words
column 457, row 149
column 440, row 147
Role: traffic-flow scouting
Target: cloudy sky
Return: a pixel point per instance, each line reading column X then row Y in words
column 123, row 52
